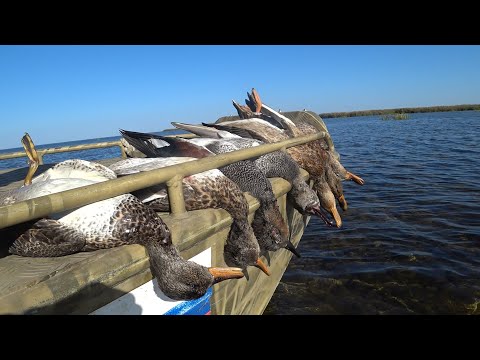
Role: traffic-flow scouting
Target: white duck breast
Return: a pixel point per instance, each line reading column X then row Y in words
column 77, row 169
column 224, row 145
column 92, row 219
column 66, row 175
column 136, row 165
column 245, row 122
column 42, row 188
column 204, row 141
column 215, row 145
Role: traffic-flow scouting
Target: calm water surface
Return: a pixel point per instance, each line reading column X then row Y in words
column 410, row 241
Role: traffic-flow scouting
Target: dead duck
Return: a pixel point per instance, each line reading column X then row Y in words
column 208, row 189
column 305, row 156
column 269, row 226
column 117, row 221
column 299, row 128
column 313, row 157
column 333, row 170
column 274, row 164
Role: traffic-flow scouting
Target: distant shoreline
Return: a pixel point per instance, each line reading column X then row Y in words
column 400, row 111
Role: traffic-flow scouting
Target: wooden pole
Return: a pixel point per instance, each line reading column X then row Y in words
column 66, row 200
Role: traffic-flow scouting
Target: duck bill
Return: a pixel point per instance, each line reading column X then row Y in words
column 355, row 178
column 220, row 274
column 317, row 211
column 338, row 220
column 290, row 247
column 261, row 265
column 343, row 203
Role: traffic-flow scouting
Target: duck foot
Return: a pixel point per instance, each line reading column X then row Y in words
column 355, row 178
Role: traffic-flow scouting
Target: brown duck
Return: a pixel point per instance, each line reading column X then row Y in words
column 313, row 157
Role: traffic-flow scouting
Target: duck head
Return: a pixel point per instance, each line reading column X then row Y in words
column 304, row 199
column 270, row 228
column 307, row 202
column 180, row 279
column 242, row 249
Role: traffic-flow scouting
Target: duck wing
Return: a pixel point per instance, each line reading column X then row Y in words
column 239, row 132
column 258, row 129
column 285, row 123
column 148, row 144
column 205, row 131
column 48, row 238
column 171, row 146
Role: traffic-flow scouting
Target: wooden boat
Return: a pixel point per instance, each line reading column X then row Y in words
column 118, row 280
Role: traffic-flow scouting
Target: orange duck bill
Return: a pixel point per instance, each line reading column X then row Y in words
column 220, row 274
column 343, row 202
column 334, row 212
column 261, row 265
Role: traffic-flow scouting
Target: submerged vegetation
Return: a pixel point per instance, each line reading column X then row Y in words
column 401, row 111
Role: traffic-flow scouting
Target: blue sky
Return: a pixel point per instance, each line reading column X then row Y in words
column 64, row 93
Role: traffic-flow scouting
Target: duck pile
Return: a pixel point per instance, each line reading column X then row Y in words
column 132, row 218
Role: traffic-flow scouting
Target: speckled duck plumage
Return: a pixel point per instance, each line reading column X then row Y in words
column 274, row 164
column 245, row 174
column 208, row 189
column 113, row 222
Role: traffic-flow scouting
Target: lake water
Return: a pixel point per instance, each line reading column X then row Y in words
column 410, row 240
